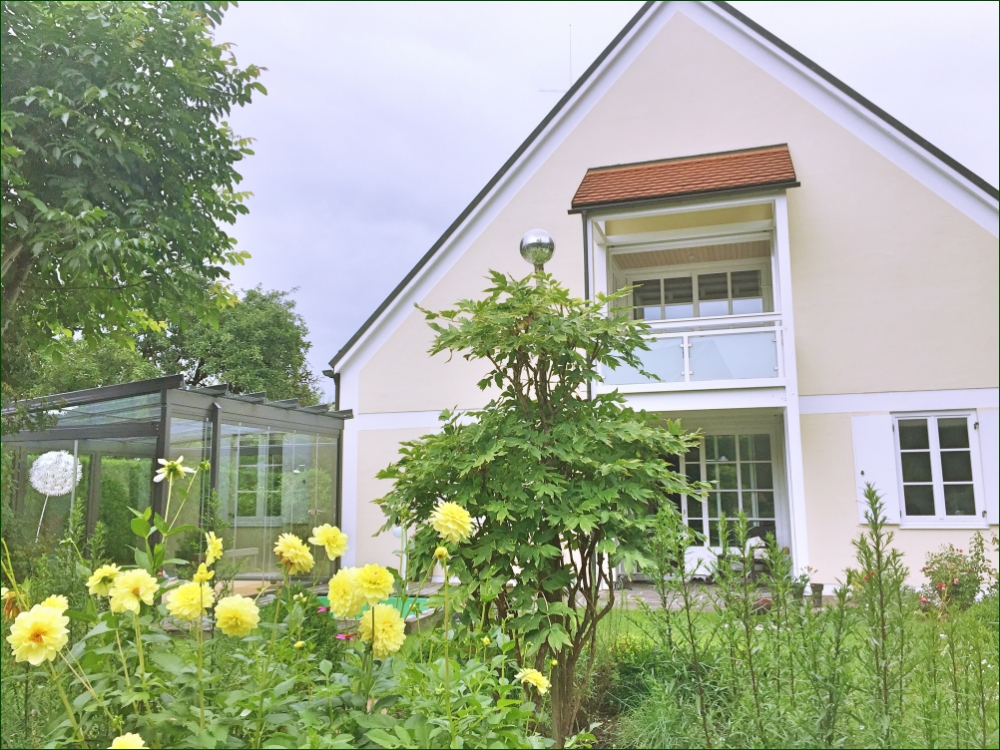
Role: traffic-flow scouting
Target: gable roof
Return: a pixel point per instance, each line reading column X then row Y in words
column 727, row 171
column 991, row 191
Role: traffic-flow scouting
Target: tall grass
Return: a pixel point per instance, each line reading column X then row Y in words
column 760, row 668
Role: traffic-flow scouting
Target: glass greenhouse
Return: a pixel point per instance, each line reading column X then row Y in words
column 274, row 465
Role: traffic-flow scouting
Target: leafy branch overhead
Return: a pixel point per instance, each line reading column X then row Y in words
column 563, row 486
column 119, row 168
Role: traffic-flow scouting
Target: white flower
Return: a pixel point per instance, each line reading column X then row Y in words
column 52, row 473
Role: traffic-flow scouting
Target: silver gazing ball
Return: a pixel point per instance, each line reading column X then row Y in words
column 537, row 247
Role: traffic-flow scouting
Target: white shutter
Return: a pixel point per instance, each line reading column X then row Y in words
column 875, row 462
column 989, row 447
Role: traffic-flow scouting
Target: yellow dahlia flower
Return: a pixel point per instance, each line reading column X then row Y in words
column 132, row 587
column 128, row 741
column 533, row 677
column 236, row 615
column 294, row 554
column 38, row 634
column 203, row 574
column 57, row 602
column 190, row 600
column 452, row 522
column 99, row 584
column 441, row 554
column 345, row 598
column 330, row 537
column 373, row 583
column 389, row 630
column 213, row 548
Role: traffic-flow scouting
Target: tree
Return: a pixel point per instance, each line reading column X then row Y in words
column 257, row 345
column 89, row 364
column 119, row 169
column 562, row 485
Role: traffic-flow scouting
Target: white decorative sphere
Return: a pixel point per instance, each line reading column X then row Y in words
column 52, row 473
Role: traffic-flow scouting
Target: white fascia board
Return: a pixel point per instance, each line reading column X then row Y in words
column 721, row 400
column 901, row 150
column 544, row 145
column 898, row 401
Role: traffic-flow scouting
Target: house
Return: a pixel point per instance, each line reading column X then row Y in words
column 821, row 282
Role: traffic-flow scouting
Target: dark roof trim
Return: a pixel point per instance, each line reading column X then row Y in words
column 93, row 395
column 866, row 103
column 964, row 171
column 492, row 183
column 680, row 197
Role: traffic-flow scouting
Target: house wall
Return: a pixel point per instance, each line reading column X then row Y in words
column 895, row 289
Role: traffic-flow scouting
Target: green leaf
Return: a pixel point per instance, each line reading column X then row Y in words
column 140, row 527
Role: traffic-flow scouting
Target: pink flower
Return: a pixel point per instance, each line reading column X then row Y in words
column 345, row 637
column 321, row 610
column 955, row 582
column 940, row 586
column 923, row 600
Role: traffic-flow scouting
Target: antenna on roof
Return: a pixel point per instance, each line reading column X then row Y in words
column 563, row 91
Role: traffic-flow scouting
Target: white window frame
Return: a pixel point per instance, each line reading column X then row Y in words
column 940, row 520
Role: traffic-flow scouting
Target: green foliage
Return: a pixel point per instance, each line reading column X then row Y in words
column 561, row 484
column 119, row 169
column 257, row 345
column 89, row 363
column 956, row 577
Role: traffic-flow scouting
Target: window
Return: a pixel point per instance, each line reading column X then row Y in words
column 741, row 471
column 935, row 467
column 700, row 295
column 258, row 489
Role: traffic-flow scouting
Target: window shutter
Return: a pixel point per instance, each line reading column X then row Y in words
column 875, row 462
column 989, row 446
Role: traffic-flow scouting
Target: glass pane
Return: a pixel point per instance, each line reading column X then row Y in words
column 746, row 284
column 916, row 467
column 765, row 504
column 729, row 503
column 713, row 504
column 678, row 297
column 664, row 359
column 919, row 499
column 953, row 433
column 713, row 308
column 676, row 500
column 734, row 356
column 713, row 534
column 711, row 445
column 697, row 527
column 125, row 483
column 913, row 434
column 692, row 469
column 694, row 507
column 959, row 500
column 712, row 286
column 726, row 447
column 956, row 466
column 757, row 476
column 763, row 528
column 752, row 306
column 727, row 476
column 646, row 298
column 755, row 447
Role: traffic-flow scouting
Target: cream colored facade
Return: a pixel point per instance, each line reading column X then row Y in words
column 886, row 257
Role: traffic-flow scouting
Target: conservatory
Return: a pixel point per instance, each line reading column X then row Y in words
column 273, row 466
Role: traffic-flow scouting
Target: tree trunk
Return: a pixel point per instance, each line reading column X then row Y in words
column 564, row 708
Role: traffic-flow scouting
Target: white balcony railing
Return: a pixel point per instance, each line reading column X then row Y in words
column 699, row 350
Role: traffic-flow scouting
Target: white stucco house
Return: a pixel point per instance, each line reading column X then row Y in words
column 822, row 285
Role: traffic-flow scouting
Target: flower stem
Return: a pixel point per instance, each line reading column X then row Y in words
column 142, row 659
column 201, row 681
column 447, row 660
column 69, row 709
column 267, row 661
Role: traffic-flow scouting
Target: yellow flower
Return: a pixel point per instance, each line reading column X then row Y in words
column 213, row 548
column 330, row 537
column 373, row 583
column 128, row 741
column 38, row 634
column 486, row 640
column 236, row 615
column 203, row 575
column 554, row 662
column 99, row 584
column 190, row 600
column 171, row 469
column 452, row 522
column 441, row 554
column 389, row 630
column 132, row 587
column 533, row 677
column 300, row 644
column 57, row 602
column 294, row 554
column 345, row 598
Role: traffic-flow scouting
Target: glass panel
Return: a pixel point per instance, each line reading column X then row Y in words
column 125, row 483
column 711, row 444
column 765, row 504
column 727, row 476
column 763, row 528
column 953, row 432
column 646, row 298
column 712, row 501
column 959, row 500
column 756, row 476
column 665, row 359
column 726, row 447
column 712, row 286
column 729, row 503
column 746, row 284
column 752, row 306
column 144, row 408
column 734, row 356
column 755, row 447
column 713, row 308
column 678, row 297
column 956, row 466
column 919, row 499
column 692, row 467
column 916, row 467
column 697, row 527
column 913, row 434
column 694, row 507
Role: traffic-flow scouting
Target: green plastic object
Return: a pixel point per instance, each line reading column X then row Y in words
column 410, row 606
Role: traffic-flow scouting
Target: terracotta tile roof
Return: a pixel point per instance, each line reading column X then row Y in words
column 770, row 166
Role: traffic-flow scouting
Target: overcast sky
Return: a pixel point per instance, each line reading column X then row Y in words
column 382, row 121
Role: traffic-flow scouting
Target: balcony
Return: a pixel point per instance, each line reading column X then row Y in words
column 733, row 351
